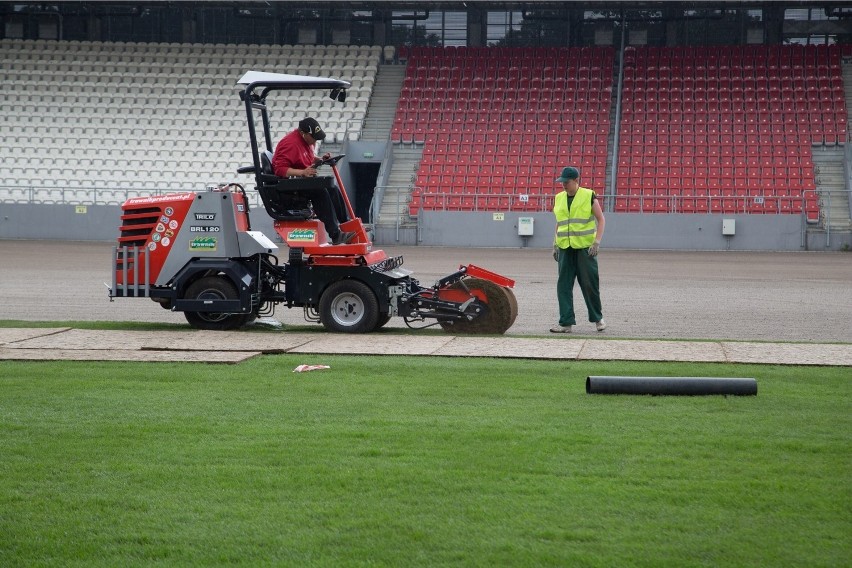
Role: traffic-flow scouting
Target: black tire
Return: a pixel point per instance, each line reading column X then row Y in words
column 383, row 319
column 349, row 306
column 496, row 320
column 213, row 288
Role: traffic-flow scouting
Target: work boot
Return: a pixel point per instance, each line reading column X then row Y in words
column 600, row 325
column 342, row 238
column 560, row 329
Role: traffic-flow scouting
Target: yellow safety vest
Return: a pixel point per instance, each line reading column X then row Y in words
column 575, row 228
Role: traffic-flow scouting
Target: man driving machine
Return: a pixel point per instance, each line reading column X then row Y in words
column 295, row 157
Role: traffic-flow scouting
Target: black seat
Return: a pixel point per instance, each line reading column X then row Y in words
column 288, row 199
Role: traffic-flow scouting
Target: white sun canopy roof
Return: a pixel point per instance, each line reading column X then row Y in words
column 284, row 80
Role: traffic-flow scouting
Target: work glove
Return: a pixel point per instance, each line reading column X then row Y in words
column 593, row 250
column 556, row 253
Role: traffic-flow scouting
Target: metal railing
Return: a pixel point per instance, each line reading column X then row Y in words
column 400, row 205
column 831, row 223
column 752, row 204
column 762, row 204
column 113, row 195
column 453, row 201
column 379, row 191
column 808, row 201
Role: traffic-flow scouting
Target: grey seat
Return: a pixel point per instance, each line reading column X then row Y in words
column 288, row 199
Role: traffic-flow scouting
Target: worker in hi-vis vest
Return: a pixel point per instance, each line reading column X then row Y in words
column 579, row 230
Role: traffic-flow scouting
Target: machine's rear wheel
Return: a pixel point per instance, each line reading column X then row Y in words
column 382, row 320
column 349, row 306
column 214, row 288
column 496, row 320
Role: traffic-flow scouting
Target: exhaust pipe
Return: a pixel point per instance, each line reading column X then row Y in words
column 690, row 386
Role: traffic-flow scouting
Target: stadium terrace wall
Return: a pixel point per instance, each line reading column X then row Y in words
column 441, row 228
column 68, row 222
column 625, row 230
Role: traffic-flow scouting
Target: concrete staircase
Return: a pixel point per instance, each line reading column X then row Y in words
column 831, row 186
column 393, row 225
column 383, row 102
column 831, row 174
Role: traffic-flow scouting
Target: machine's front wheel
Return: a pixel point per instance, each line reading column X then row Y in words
column 349, row 306
column 213, row 288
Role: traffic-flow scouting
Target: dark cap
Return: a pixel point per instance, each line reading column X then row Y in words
column 311, row 126
column 568, row 174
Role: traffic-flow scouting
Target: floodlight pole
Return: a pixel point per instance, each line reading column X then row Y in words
column 610, row 206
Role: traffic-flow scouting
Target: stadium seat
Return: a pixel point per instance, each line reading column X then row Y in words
column 104, row 67
column 497, row 135
column 744, row 111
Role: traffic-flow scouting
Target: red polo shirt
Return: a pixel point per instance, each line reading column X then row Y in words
column 292, row 152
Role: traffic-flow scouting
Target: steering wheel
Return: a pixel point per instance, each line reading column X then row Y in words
column 332, row 161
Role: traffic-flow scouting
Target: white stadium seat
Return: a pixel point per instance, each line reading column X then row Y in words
column 108, row 125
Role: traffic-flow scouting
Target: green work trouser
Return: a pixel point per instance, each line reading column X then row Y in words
column 576, row 264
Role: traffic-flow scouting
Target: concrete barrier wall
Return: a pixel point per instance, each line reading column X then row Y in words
column 79, row 222
column 445, row 228
column 623, row 230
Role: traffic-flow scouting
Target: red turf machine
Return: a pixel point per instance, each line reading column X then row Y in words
column 195, row 252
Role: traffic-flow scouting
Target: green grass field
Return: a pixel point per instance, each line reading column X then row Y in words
column 401, row 461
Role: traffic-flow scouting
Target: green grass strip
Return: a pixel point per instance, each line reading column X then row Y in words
column 402, row 461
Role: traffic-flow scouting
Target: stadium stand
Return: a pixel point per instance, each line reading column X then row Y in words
column 93, row 122
column 727, row 129
column 495, row 123
column 720, row 129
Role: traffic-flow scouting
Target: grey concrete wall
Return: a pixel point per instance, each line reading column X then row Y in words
column 623, row 230
column 445, row 228
column 365, row 152
column 80, row 222
column 59, row 222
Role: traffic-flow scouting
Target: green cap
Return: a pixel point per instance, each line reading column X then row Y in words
column 569, row 173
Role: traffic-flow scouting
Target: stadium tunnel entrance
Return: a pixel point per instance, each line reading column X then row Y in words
column 364, row 161
column 366, row 176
